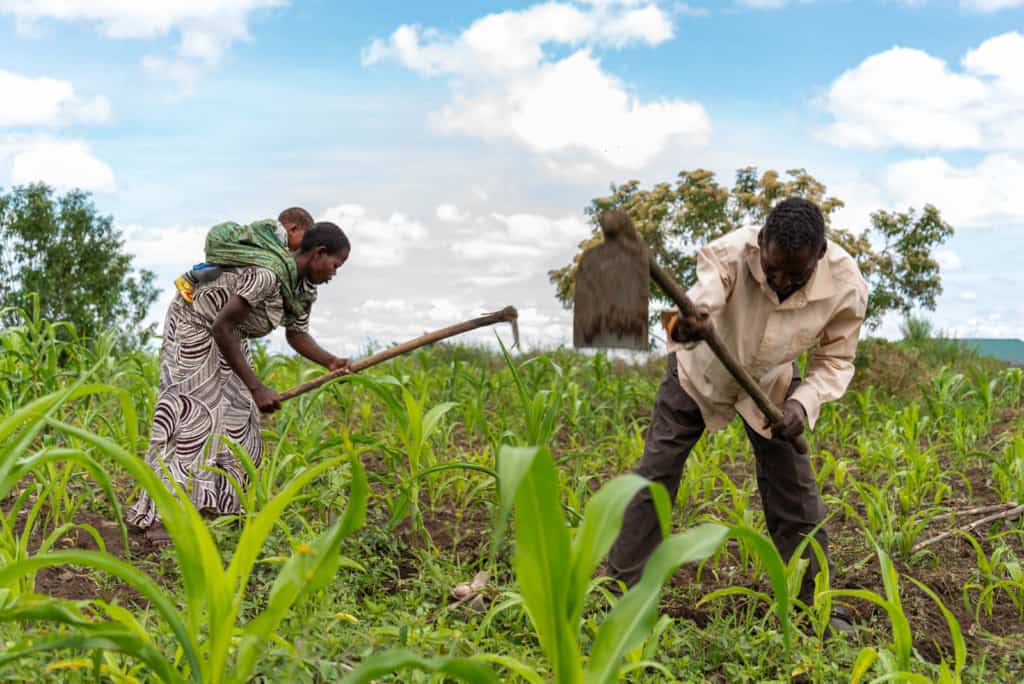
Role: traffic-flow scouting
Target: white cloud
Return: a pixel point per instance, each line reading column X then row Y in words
column 968, row 295
column 376, row 242
column 689, row 10
column 986, row 194
column 449, row 213
column 506, row 84
column 530, row 237
column 61, row 163
column 948, row 259
column 907, row 98
column 171, row 248
column 206, row 28
column 398, row 306
column 990, row 5
column 47, row 102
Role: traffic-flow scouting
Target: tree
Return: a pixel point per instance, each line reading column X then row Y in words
column 61, row 248
column 894, row 252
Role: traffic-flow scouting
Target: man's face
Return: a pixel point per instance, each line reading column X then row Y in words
column 785, row 272
column 324, row 265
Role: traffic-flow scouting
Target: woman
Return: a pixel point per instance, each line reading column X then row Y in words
column 208, row 387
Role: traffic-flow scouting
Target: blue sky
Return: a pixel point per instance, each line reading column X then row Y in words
column 440, row 133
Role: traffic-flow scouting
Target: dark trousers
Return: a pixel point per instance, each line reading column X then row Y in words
column 789, row 492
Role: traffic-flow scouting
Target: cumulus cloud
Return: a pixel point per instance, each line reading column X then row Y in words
column 61, row 163
column 164, row 248
column 47, row 102
column 508, row 84
column 449, row 213
column 985, row 194
column 906, row 97
column 377, row 242
column 990, row 5
column 206, row 28
column 523, row 236
column 948, row 259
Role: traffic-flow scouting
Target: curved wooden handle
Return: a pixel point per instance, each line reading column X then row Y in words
column 506, row 315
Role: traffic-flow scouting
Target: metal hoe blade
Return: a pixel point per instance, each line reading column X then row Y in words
column 612, row 286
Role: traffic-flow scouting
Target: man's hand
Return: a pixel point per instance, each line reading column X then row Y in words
column 339, row 364
column 693, row 328
column 794, row 419
column 267, row 400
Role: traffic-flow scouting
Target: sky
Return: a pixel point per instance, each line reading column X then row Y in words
column 458, row 143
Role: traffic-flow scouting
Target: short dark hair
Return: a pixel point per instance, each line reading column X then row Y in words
column 794, row 225
column 296, row 215
column 327, row 235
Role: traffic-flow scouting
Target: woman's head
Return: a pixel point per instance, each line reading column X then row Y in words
column 323, row 251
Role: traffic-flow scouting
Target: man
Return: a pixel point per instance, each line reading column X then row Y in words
column 771, row 294
column 292, row 224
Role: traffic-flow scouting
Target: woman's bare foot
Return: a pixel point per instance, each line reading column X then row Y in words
column 157, row 535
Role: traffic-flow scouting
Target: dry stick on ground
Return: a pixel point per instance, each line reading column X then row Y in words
column 980, row 509
column 506, row 315
column 1004, row 515
column 1008, row 510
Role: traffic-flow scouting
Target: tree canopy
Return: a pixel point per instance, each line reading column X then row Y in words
column 894, row 252
column 61, row 248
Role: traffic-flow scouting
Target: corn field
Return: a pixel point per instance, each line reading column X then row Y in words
column 446, row 518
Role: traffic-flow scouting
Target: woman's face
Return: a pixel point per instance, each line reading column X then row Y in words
column 324, row 265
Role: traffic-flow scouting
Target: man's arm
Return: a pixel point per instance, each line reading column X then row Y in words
column 715, row 279
column 831, row 365
column 225, row 334
column 302, row 342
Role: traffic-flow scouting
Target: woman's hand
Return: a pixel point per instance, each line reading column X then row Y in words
column 339, row 364
column 267, row 400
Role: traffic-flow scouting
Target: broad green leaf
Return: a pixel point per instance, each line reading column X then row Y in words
column 602, row 521
column 137, row 579
column 541, row 563
column 776, row 569
column 634, row 615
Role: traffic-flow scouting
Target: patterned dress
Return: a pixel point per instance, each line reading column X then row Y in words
column 201, row 398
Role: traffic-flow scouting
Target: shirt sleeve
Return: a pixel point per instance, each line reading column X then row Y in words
column 716, row 276
column 301, row 324
column 830, row 368
column 255, row 285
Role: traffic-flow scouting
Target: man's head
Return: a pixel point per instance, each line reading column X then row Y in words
column 324, row 249
column 792, row 241
column 296, row 222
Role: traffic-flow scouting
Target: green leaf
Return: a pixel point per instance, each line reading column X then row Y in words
column 776, row 569
column 955, row 633
column 391, row 662
column 634, row 615
column 542, row 562
column 865, row 659
column 137, row 579
column 306, row 572
column 602, row 521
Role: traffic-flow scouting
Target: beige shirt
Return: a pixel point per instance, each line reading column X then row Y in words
column 767, row 336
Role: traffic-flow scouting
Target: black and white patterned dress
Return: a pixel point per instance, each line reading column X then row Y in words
column 201, row 398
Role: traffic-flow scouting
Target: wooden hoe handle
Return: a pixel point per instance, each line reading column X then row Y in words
column 506, row 315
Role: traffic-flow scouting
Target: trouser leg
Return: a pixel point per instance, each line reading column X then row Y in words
column 676, row 425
